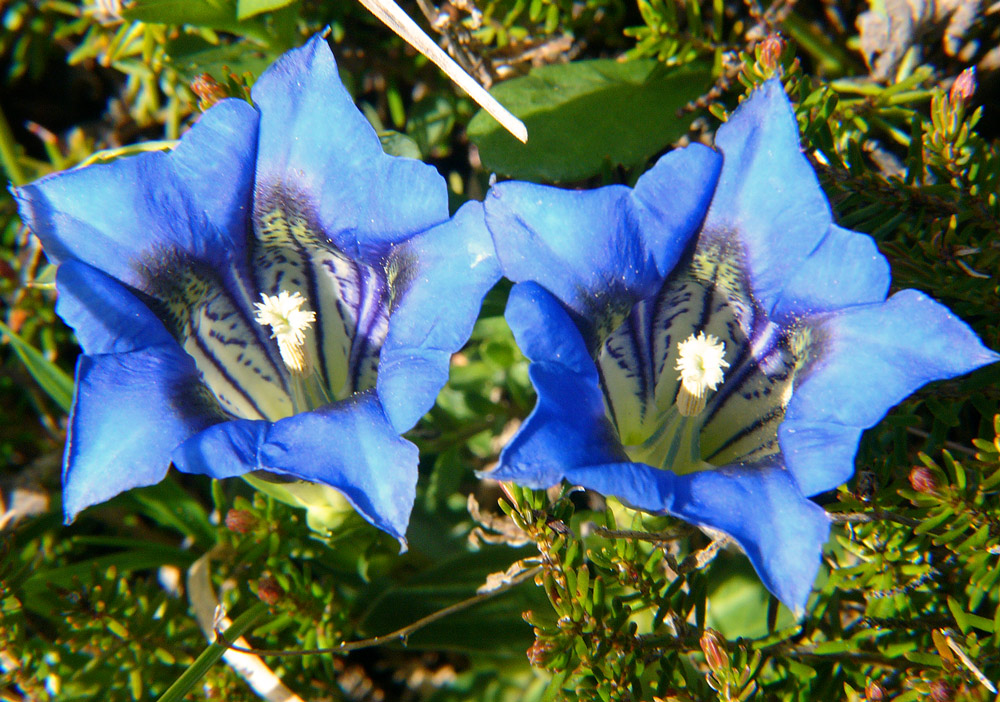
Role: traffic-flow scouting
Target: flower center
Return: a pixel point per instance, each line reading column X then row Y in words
column 288, row 321
column 701, row 360
column 696, row 376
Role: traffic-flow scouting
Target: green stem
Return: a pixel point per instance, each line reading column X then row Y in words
column 208, row 657
column 9, row 153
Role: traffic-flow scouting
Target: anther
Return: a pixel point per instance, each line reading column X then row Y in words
column 288, row 322
column 701, row 364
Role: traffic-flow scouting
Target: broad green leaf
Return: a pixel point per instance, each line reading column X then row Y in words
column 399, row 144
column 170, row 505
column 249, row 8
column 214, row 14
column 493, row 627
column 202, row 13
column 738, row 601
column 48, row 375
column 587, row 115
column 191, row 56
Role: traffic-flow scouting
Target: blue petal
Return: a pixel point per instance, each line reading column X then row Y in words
column 819, row 454
column 846, row 269
column 758, row 505
column 123, row 217
column 585, row 247
column 130, row 411
column 568, row 425
column 871, row 357
column 106, row 317
column 316, row 146
column 601, row 251
column 672, row 198
column 225, row 450
column 768, row 198
column 437, row 280
column 544, row 331
column 349, row 445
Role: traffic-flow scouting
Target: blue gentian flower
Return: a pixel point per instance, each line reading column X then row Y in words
column 723, row 377
column 276, row 294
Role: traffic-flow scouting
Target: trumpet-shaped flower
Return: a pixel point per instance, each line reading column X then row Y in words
column 276, row 294
column 710, row 344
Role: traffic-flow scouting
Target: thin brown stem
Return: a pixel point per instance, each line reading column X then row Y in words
column 874, row 516
column 653, row 538
column 399, row 634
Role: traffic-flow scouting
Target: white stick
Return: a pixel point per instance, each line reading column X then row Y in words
column 399, row 22
column 201, row 595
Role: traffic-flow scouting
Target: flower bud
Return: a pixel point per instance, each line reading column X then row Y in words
column 941, row 691
column 269, row 591
column 922, row 480
column 540, row 652
column 208, row 90
column 964, row 86
column 240, row 521
column 714, row 648
column 770, row 51
column 875, row 692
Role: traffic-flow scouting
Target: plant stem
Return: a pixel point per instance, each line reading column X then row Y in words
column 399, row 634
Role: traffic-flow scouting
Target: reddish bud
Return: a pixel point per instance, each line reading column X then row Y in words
column 875, row 692
column 714, row 648
column 16, row 319
column 770, row 51
column 208, row 90
column 941, row 691
column 964, row 86
column 922, row 480
column 269, row 591
column 240, row 521
column 540, row 653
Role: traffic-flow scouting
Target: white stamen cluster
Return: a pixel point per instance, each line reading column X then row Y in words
column 701, row 361
column 288, row 322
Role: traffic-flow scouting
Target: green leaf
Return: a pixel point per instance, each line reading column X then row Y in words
column 965, row 620
column 584, row 116
column 203, row 13
column 56, row 383
column 170, row 505
column 493, row 627
column 249, row 8
column 191, row 56
column 399, row 144
column 213, row 14
column 213, row 653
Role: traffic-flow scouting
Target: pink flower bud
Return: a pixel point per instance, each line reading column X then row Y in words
column 875, row 692
column 770, row 50
column 941, row 691
column 964, row 86
column 923, row 481
column 269, row 591
column 240, row 521
column 714, row 648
